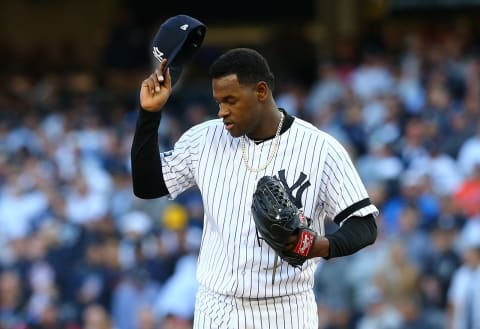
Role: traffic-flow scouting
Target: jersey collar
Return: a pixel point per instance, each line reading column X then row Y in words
column 287, row 123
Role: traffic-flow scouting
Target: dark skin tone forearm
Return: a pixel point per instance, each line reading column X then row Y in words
column 320, row 248
column 352, row 236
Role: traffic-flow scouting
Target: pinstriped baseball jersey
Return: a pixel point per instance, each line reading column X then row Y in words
column 313, row 166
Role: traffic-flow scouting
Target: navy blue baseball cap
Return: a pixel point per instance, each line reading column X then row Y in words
column 178, row 40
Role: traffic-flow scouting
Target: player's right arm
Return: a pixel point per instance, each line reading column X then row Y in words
column 147, row 175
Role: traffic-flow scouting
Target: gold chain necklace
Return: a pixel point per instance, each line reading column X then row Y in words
column 271, row 153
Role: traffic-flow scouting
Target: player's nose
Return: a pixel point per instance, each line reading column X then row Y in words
column 223, row 111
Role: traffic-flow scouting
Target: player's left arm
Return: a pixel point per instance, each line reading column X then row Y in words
column 346, row 201
column 355, row 233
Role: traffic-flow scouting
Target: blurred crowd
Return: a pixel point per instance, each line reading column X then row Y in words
column 79, row 250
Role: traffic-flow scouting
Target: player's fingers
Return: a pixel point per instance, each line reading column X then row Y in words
column 159, row 77
column 168, row 79
column 155, row 82
column 149, row 85
column 159, row 71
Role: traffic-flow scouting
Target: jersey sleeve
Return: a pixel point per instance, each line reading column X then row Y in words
column 344, row 194
column 178, row 164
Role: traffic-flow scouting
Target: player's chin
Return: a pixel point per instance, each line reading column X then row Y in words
column 235, row 132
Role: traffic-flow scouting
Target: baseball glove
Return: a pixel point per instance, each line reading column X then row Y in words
column 277, row 219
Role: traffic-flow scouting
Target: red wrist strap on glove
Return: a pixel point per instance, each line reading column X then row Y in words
column 305, row 243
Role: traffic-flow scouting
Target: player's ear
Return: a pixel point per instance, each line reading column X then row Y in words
column 261, row 90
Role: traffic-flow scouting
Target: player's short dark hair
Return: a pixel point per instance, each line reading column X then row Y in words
column 248, row 64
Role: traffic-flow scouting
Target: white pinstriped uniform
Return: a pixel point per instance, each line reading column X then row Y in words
column 234, row 270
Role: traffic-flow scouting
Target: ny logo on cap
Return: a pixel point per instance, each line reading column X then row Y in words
column 184, row 27
column 158, row 54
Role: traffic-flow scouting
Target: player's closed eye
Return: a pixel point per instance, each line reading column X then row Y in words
column 229, row 101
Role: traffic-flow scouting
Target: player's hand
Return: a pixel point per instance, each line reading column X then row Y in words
column 156, row 89
column 291, row 242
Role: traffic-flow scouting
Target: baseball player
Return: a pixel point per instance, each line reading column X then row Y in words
column 243, row 283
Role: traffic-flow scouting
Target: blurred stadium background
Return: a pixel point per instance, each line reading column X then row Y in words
column 397, row 82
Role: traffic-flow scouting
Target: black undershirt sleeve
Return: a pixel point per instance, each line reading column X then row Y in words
column 147, row 176
column 355, row 234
